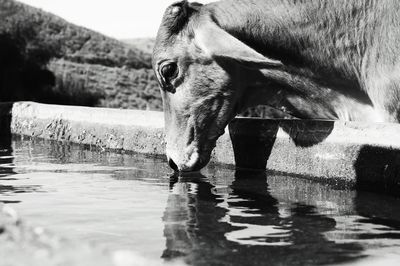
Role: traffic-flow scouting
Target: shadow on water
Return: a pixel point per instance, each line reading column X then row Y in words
column 382, row 210
column 244, row 223
column 6, row 151
column 378, row 169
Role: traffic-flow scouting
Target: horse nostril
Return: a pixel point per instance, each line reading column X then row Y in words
column 172, row 164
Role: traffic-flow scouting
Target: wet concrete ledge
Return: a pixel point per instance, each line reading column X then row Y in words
column 358, row 154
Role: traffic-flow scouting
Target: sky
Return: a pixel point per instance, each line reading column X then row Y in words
column 121, row 19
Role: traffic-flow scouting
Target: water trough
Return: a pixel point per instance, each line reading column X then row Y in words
column 351, row 153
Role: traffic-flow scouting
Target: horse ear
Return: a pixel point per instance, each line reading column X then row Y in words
column 219, row 44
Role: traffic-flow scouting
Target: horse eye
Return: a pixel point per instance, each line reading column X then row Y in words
column 169, row 71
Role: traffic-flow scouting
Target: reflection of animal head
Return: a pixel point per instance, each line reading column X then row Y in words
column 181, row 217
column 213, row 61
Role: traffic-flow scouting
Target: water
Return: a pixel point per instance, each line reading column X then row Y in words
column 225, row 217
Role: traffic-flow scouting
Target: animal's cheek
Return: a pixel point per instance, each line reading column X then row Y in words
column 182, row 99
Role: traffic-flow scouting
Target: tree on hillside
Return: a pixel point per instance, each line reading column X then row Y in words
column 23, row 75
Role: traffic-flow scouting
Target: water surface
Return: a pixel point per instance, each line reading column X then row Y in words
column 223, row 217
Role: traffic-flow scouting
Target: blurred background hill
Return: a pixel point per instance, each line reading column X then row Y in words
column 144, row 44
column 46, row 59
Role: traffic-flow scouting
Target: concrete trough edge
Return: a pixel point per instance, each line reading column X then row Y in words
column 366, row 155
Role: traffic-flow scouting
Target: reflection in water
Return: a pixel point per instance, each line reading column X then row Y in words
column 205, row 223
column 251, row 207
column 7, row 172
column 6, row 158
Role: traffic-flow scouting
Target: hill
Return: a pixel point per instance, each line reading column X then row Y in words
column 144, row 44
column 111, row 86
column 47, row 59
column 77, row 44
